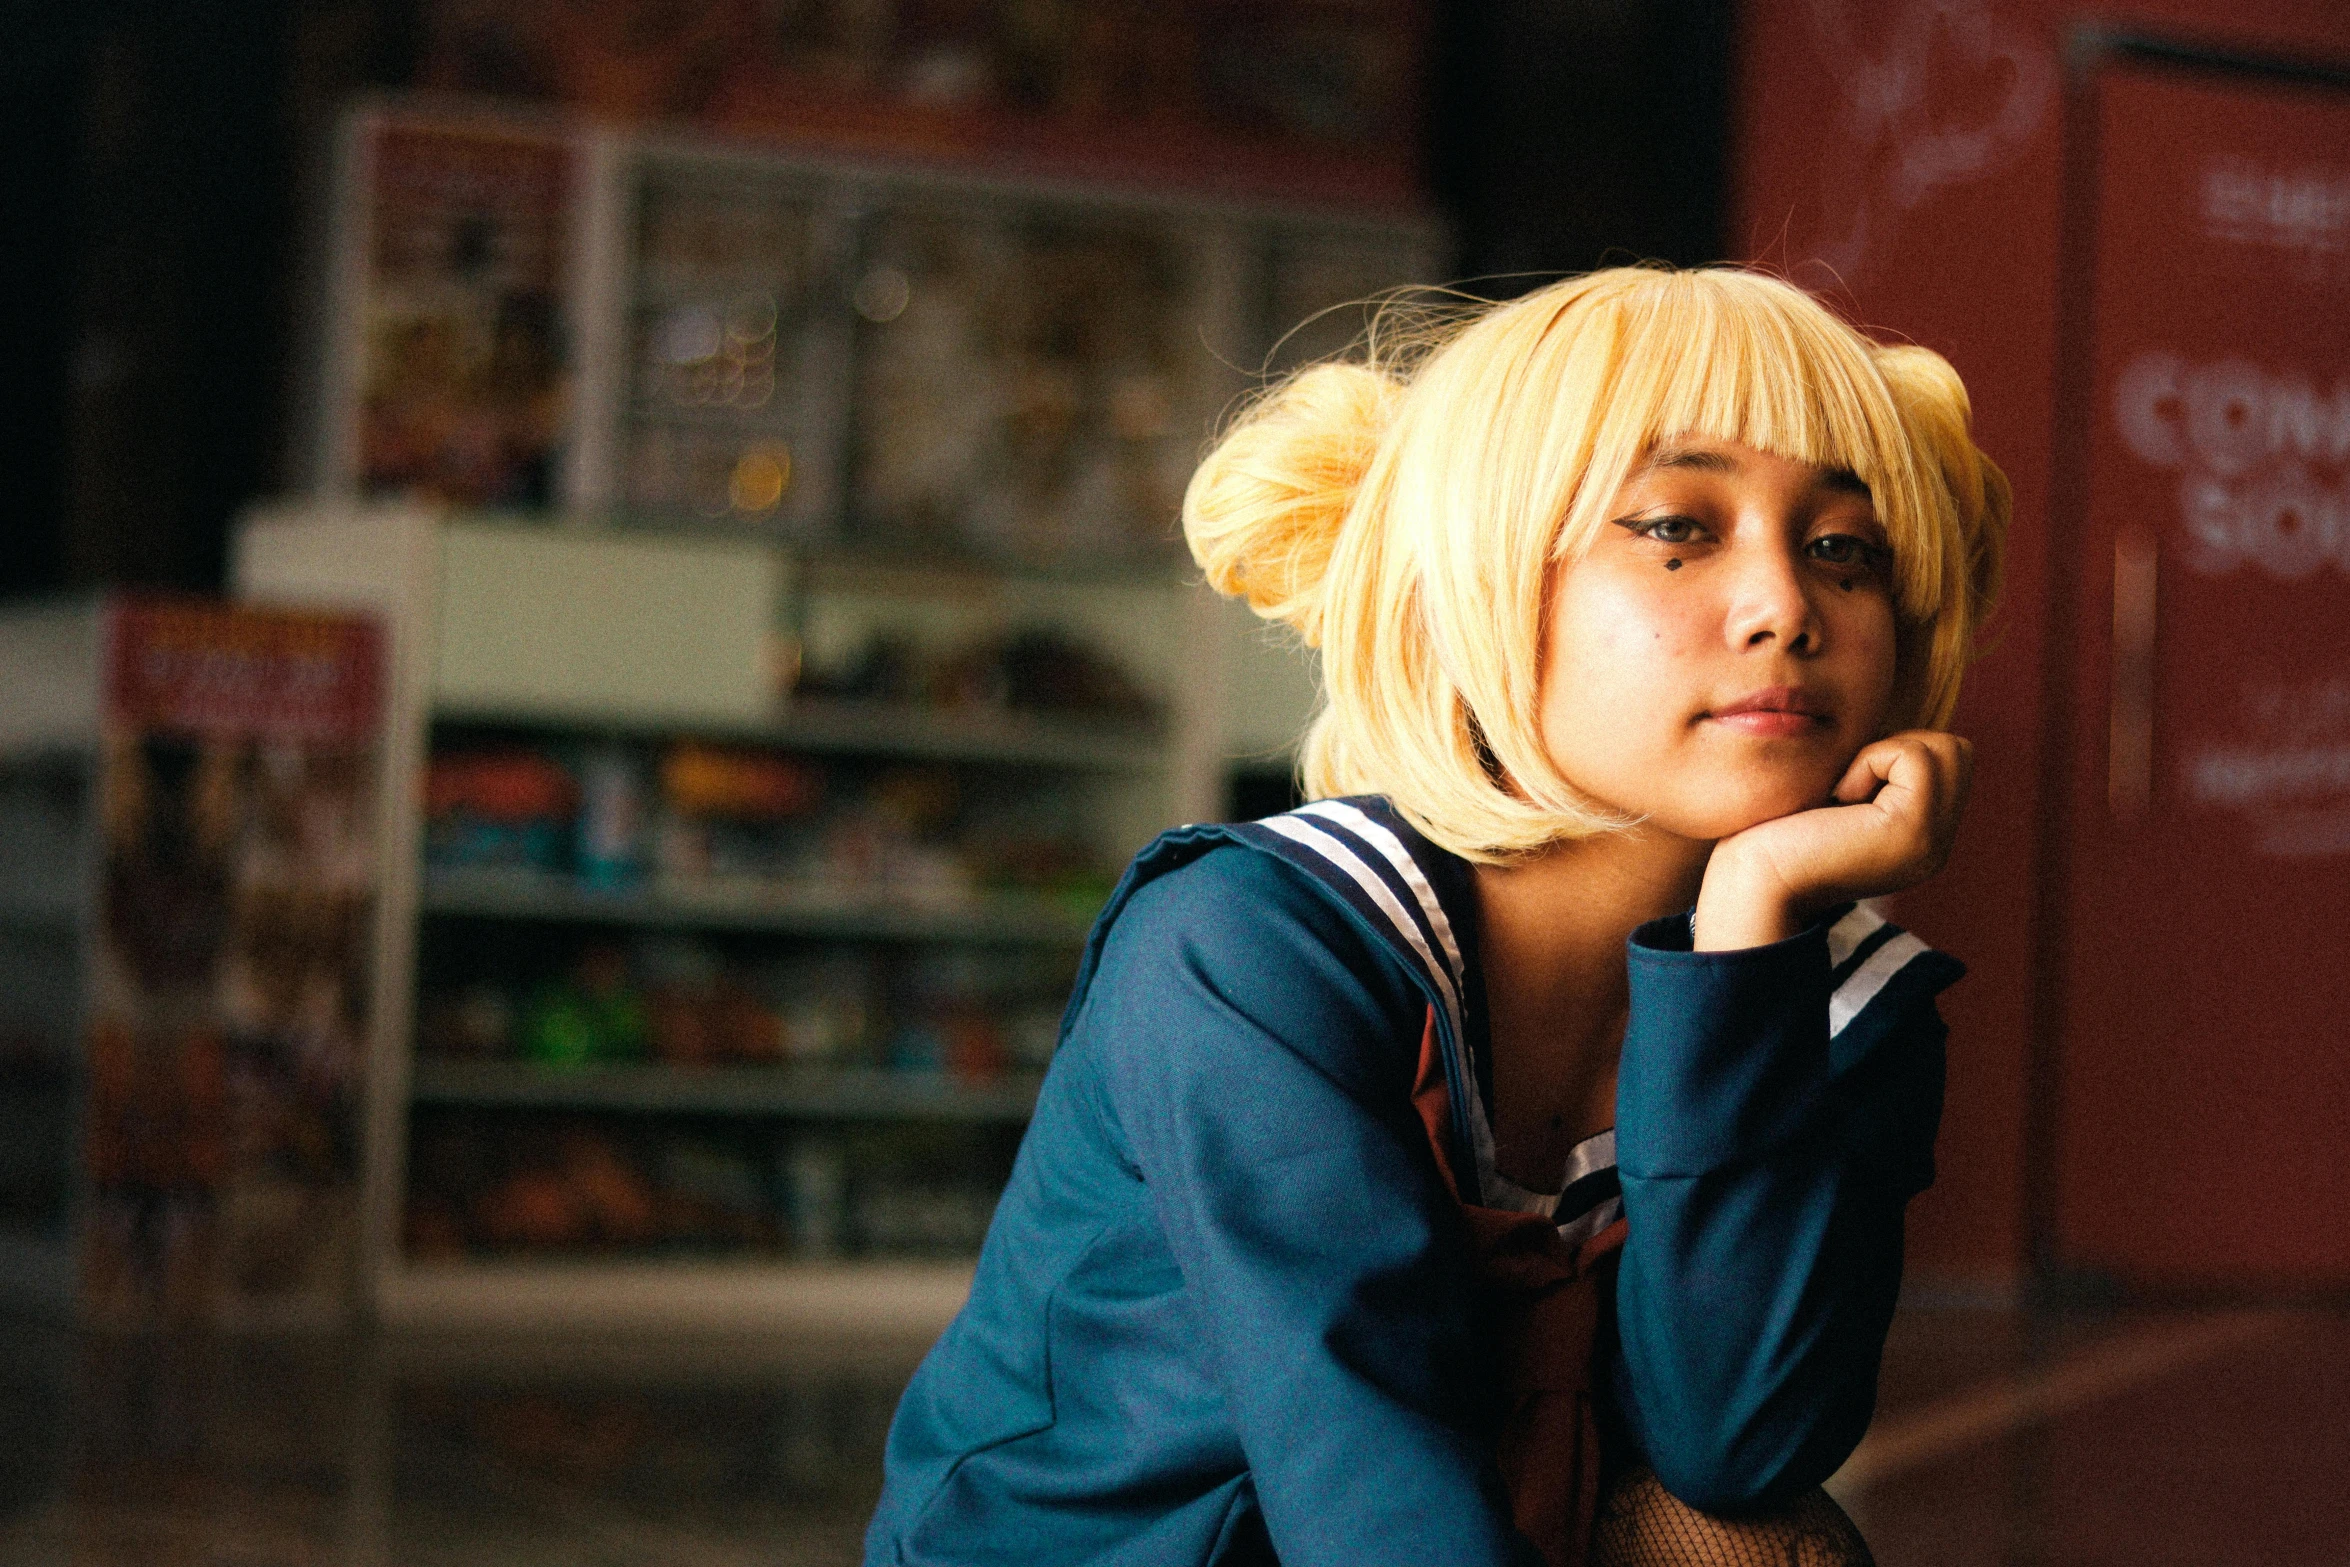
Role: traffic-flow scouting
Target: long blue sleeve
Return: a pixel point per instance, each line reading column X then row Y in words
column 1765, row 1168
column 1300, row 1201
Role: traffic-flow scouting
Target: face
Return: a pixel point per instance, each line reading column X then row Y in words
column 1726, row 645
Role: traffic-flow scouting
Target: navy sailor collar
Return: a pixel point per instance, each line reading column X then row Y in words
column 1421, row 900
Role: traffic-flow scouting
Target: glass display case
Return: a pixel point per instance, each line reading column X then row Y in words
column 771, row 762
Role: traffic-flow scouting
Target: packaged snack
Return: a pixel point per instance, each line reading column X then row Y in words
column 611, row 817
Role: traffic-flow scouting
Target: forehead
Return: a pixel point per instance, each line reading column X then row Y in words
column 1698, row 454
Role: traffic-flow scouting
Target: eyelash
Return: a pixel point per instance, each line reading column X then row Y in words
column 1867, row 553
column 1870, row 555
column 1646, row 527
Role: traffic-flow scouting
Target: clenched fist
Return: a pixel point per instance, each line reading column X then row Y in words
column 1898, row 812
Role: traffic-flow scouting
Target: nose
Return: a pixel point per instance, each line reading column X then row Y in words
column 1771, row 603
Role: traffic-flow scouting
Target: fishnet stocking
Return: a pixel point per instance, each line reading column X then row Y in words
column 1641, row 1524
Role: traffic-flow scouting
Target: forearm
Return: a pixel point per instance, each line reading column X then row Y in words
column 1765, row 1171
column 1741, row 1379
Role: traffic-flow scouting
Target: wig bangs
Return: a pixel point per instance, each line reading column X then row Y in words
column 1730, row 358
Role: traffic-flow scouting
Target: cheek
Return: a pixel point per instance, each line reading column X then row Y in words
column 1873, row 637
column 1612, row 633
column 1613, row 703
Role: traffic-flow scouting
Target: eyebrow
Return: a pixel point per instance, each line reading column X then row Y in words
column 1690, row 459
column 1698, row 459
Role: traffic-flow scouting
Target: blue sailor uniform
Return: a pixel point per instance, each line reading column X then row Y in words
column 1223, row 1313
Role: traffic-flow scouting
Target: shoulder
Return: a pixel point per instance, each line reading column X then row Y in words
column 1231, row 959
column 1233, row 917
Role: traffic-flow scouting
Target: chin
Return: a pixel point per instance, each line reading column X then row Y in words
column 1731, row 812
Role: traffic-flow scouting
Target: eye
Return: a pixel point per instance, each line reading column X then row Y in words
column 1849, row 549
column 1671, row 529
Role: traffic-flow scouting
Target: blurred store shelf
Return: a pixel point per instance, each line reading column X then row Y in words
column 892, row 729
column 830, row 1094
column 766, row 907
column 42, row 911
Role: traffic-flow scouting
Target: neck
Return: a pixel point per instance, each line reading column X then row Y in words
column 1573, row 904
column 1551, row 934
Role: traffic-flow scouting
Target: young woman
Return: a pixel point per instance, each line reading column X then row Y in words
column 1502, row 1158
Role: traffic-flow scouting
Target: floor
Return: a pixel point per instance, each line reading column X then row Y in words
column 2054, row 1441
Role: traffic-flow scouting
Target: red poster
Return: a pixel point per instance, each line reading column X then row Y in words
column 233, row 980
column 2204, row 1024
column 204, row 669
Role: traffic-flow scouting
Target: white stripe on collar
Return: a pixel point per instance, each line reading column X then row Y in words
column 1494, row 1188
column 1578, row 1230
column 1862, row 986
column 1593, row 1153
column 1392, row 850
column 1340, row 854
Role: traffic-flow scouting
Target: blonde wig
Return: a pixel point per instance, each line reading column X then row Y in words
column 1405, row 514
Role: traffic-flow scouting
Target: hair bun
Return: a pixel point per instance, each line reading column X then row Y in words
column 1265, row 507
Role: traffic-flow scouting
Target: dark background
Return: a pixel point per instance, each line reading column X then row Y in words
column 161, row 162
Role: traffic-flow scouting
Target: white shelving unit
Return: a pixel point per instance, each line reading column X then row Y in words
column 465, row 647
column 761, row 409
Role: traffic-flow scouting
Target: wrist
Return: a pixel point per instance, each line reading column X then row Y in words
column 1742, row 905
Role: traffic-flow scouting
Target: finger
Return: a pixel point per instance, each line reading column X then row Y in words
column 1948, row 761
column 1951, row 762
column 1872, row 770
column 1941, row 766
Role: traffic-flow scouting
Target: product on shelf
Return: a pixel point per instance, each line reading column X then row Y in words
column 975, row 1014
column 748, row 820
column 529, row 1186
column 737, row 781
column 735, row 812
column 882, row 667
column 492, row 1182
column 815, row 1194
column 1024, row 669
column 500, row 1183
column 893, row 836
column 610, row 853
column 478, row 1019
column 715, row 1192
column 893, row 1214
column 510, row 807
column 824, row 1004
column 1043, row 669
column 972, row 1014
column 669, row 999
column 594, row 1015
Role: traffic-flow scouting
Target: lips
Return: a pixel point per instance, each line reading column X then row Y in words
column 1775, row 710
